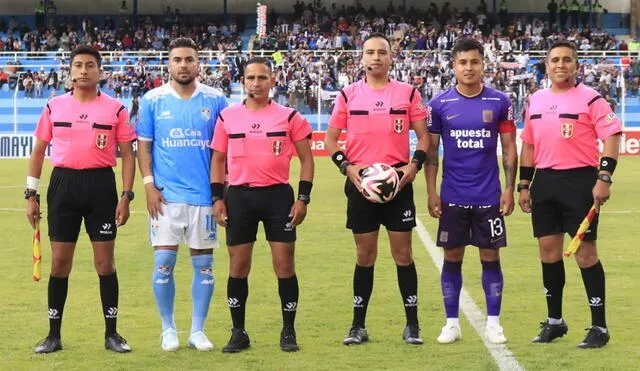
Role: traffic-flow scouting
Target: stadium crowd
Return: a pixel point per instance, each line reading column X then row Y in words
column 321, row 55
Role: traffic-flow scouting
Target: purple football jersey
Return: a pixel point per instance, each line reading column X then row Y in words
column 470, row 129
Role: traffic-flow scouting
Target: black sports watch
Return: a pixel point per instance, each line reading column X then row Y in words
column 28, row 193
column 605, row 178
column 130, row 195
column 306, row 199
column 343, row 167
column 522, row 186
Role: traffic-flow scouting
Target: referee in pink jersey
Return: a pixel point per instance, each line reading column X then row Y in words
column 84, row 128
column 258, row 138
column 378, row 113
column 562, row 124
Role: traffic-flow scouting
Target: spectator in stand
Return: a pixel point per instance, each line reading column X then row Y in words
column 4, row 78
column 27, row 83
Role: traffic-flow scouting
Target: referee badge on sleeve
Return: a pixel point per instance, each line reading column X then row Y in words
column 567, row 130
column 102, row 140
column 276, row 147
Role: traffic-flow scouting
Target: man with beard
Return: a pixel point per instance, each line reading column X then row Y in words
column 175, row 126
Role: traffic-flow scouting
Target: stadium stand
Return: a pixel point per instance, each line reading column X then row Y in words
column 318, row 55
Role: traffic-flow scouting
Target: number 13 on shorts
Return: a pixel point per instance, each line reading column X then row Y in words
column 492, row 231
column 497, row 227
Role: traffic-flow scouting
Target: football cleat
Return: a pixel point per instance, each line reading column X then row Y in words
column 550, row 332
column 450, row 334
column 239, row 341
column 596, row 338
column 411, row 335
column 169, row 340
column 495, row 334
column 198, row 340
column 288, row 341
column 49, row 344
column 357, row 335
column 116, row 343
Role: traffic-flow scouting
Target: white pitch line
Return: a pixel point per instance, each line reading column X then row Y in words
column 500, row 352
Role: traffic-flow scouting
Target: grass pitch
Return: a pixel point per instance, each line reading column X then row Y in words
column 325, row 259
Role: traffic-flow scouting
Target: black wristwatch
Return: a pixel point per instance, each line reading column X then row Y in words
column 343, row 167
column 306, row 199
column 130, row 195
column 28, row 193
column 417, row 163
column 522, row 186
column 605, row 178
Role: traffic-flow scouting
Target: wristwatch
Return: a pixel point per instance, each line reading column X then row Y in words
column 522, row 186
column 605, row 178
column 28, row 193
column 130, row 195
column 343, row 167
column 306, row 199
column 417, row 163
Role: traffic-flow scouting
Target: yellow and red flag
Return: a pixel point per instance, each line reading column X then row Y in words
column 37, row 257
column 574, row 245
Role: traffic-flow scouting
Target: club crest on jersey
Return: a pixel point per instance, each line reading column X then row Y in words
column 102, row 140
column 276, row 147
column 206, row 114
column 567, row 130
column 487, row 116
column 398, row 125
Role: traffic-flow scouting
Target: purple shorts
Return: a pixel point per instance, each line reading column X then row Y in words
column 462, row 225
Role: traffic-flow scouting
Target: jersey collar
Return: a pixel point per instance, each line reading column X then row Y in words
column 172, row 91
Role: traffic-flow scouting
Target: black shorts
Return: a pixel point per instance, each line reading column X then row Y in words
column 248, row 206
column 560, row 200
column 76, row 194
column 364, row 216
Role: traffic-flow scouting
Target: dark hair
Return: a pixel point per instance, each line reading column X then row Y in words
column 85, row 50
column 466, row 44
column 376, row 35
column 182, row 42
column 564, row 44
column 259, row 60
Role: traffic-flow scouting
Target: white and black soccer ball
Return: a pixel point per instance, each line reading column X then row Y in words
column 379, row 183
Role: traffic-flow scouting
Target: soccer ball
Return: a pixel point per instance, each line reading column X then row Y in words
column 379, row 183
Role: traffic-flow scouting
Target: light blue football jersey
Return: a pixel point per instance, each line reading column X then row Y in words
column 181, row 131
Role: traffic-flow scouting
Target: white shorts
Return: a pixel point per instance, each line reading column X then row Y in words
column 193, row 225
